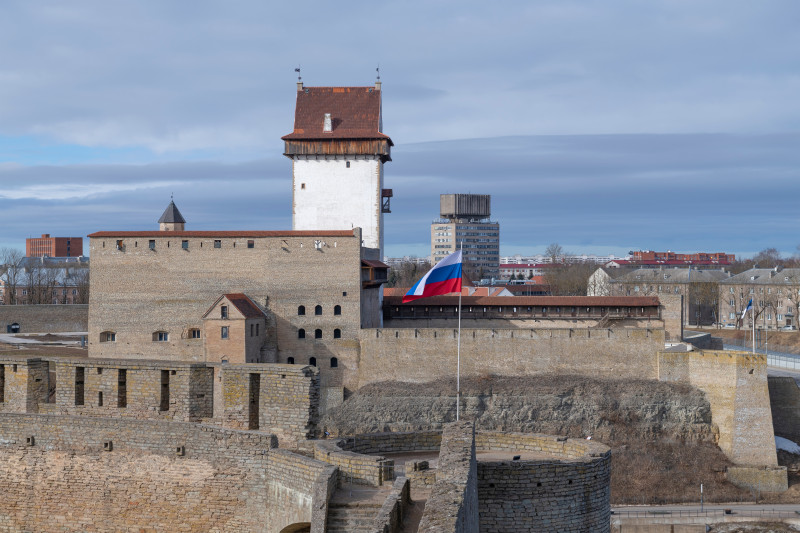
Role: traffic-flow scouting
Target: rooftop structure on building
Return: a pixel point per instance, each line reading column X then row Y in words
column 47, row 246
column 171, row 219
column 338, row 149
column 465, row 223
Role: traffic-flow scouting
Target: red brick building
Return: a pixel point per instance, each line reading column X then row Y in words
column 716, row 257
column 54, row 246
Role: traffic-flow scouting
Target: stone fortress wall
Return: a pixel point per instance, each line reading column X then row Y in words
column 45, row 318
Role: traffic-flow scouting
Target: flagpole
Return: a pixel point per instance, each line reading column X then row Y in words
column 458, row 345
column 753, row 314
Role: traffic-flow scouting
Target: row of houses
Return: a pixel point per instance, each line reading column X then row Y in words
column 712, row 296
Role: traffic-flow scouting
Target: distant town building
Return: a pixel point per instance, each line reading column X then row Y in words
column 395, row 261
column 466, row 224
column 775, row 293
column 649, row 255
column 47, row 246
column 566, row 258
column 526, row 270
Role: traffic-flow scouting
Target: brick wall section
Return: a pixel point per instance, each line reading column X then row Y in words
column 672, row 315
column 735, row 384
column 784, row 399
column 226, row 480
column 190, row 389
column 136, row 291
column 566, row 495
column 380, row 443
column 426, row 354
column 362, row 469
column 287, row 400
column 24, row 384
column 759, row 478
column 45, row 318
column 453, row 503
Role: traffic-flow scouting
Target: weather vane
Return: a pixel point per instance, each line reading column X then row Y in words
column 299, row 78
column 378, row 70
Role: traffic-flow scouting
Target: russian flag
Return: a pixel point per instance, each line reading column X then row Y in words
column 746, row 309
column 443, row 278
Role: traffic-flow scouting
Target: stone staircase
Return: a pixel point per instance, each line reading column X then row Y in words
column 354, row 517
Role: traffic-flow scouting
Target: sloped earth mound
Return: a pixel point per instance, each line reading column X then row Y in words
column 662, row 439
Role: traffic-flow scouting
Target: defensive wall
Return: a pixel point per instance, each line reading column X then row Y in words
column 420, row 355
column 44, row 318
column 75, row 473
column 566, row 489
column 309, row 284
column 280, row 399
column 735, row 384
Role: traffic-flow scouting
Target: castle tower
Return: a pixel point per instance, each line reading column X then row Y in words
column 337, row 151
column 171, row 220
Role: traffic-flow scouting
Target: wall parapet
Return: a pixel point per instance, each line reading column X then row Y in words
column 372, row 470
column 390, row 516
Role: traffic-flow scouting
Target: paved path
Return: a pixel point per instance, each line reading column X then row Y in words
column 737, row 509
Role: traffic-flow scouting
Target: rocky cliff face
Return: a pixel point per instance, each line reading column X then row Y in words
column 613, row 411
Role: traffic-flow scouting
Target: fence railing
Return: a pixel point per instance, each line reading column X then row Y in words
column 767, row 513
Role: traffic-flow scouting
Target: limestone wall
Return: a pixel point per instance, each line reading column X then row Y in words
column 784, row 399
column 568, row 492
column 363, row 469
column 136, row 291
column 288, row 397
column 168, row 476
column 45, row 318
column 453, row 504
column 420, row 355
column 735, row 384
column 23, row 384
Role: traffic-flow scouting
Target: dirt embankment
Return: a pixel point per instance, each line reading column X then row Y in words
column 661, row 435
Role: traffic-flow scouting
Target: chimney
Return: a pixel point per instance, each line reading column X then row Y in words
column 299, row 86
column 327, row 126
column 377, row 85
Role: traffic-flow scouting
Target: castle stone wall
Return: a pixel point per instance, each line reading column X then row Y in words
column 45, row 318
column 23, row 384
column 568, row 492
column 421, row 355
column 136, row 291
column 168, row 476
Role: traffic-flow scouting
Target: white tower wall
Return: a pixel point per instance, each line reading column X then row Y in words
column 330, row 195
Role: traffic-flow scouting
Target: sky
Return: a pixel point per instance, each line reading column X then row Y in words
column 602, row 126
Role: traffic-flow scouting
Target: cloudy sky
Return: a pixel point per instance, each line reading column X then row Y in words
column 603, row 126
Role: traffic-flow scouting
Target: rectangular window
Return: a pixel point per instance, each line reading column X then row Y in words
column 195, row 333
column 122, row 388
column 252, row 330
column 185, row 245
column 2, row 383
column 79, row 380
column 257, row 325
column 251, row 244
column 223, row 311
column 224, row 332
column 217, row 243
column 152, row 244
column 164, row 391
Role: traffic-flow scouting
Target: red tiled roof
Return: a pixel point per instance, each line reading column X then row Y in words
column 245, row 305
column 342, row 233
column 355, row 113
column 547, row 301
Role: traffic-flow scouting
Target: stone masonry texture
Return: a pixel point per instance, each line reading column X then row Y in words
column 45, row 318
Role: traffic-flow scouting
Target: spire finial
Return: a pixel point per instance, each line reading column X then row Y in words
column 378, row 70
column 299, row 77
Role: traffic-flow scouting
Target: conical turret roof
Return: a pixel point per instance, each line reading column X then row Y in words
column 171, row 215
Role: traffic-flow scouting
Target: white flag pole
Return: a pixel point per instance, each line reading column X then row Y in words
column 458, row 346
column 753, row 318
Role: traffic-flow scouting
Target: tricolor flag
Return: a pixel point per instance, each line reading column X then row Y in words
column 443, row 278
column 746, row 309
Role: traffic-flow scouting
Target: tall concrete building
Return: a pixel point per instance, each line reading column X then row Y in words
column 338, row 151
column 465, row 221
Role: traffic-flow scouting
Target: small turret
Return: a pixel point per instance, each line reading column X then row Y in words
column 171, row 220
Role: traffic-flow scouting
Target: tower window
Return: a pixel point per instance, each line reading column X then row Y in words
column 301, row 333
column 312, row 361
column 217, row 243
column 224, row 332
column 152, row 244
column 334, row 362
column 317, row 333
column 348, row 164
column 303, row 186
column 185, row 245
column 160, row 336
column 337, row 310
column 301, row 310
column 337, row 334
column 318, row 310
column 251, row 244
column 290, row 361
column 223, row 311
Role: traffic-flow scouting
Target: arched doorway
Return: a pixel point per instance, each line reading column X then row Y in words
column 300, row 527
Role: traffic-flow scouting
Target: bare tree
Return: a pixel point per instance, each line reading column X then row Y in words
column 768, row 257
column 80, row 279
column 555, row 252
column 405, row 274
column 11, row 261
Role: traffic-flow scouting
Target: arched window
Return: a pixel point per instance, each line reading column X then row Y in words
column 301, row 310
column 290, row 360
column 337, row 309
column 317, row 333
column 337, row 334
column 312, row 361
column 301, row 333
column 334, row 362
column 318, row 310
